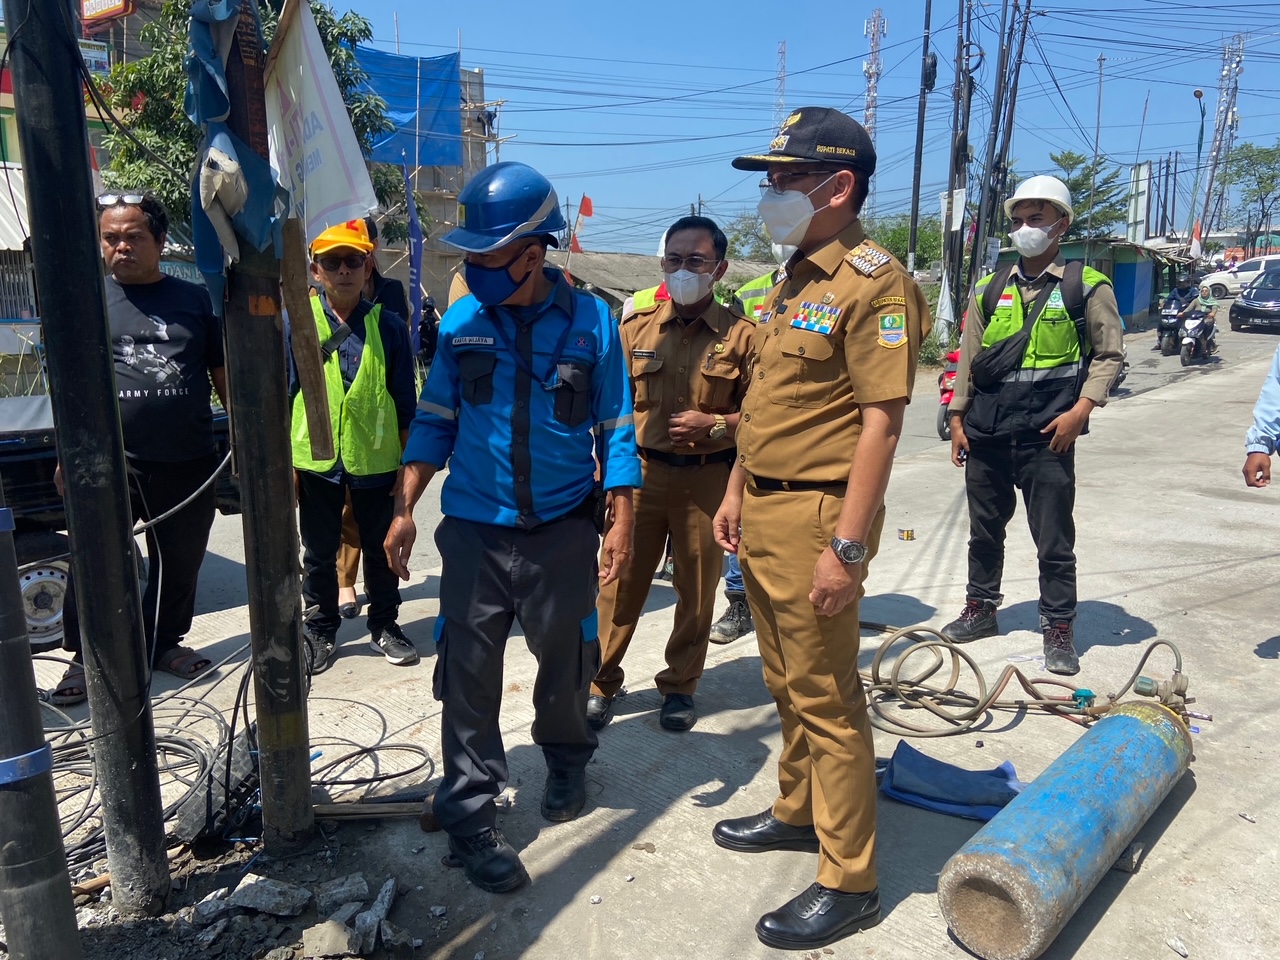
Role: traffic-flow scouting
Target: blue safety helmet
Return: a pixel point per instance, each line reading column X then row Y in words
column 502, row 203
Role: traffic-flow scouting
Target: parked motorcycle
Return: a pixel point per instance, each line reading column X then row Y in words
column 1199, row 337
column 1169, row 330
column 946, row 390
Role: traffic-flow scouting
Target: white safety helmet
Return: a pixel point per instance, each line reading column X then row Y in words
column 1050, row 189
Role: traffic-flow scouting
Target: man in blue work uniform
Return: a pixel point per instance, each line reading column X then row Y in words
column 529, row 381
column 1260, row 441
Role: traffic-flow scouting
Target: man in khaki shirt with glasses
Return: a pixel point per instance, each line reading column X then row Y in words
column 834, row 362
column 689, row 362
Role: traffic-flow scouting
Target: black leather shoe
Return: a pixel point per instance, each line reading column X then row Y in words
column 599, row 711
column 677, row 712
column 762, row 832
column 489, row 861
column 1060, row 655
column 818, row 917
column 565, row 795
column 976, row 621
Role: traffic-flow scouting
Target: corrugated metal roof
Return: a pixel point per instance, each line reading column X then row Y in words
column 13, row 207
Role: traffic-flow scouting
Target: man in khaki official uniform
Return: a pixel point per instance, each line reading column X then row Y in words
column 834, row 362
column 689, row 362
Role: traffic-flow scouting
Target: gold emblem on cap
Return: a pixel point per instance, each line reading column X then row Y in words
column 827, row 298
column 793, row 119
column 779, row 142
column 719, row 348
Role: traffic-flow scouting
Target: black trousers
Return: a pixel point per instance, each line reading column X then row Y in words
column 1048, row 484
column 546, row 578
column 175, row 548
column 320, row 504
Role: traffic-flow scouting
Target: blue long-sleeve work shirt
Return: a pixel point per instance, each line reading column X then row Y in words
column 517, row 410
column 1261, row 437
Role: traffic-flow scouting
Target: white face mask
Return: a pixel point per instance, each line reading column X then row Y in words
column 687, row 287
column 1032, row 241
column 782, row 252
column 787, row 215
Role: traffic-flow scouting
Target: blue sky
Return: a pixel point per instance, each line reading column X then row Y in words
column 642, row 108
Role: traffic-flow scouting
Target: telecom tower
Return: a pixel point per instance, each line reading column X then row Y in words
column 780, row 100
column 1226, row 122
column 874, row 29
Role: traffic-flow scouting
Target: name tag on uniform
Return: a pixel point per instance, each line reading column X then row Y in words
column 765, row 317
column 816, row 317
column 644, row 354
column 471, row 342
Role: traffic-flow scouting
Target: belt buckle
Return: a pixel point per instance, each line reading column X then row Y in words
column 786, row 485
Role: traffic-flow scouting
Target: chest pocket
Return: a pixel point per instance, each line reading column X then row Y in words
column 646, row 382
column 475, row 367
column 573, row 394
column 806, row 371
column 717, row 386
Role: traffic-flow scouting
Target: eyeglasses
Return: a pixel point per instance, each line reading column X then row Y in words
column 780, row 181
column 111, row 199
column 353, row 261
column 672, row 263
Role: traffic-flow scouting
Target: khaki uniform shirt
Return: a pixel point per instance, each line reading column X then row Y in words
column 701, row 364
column 458, row 288
column 1101, row 317
column 841, row 329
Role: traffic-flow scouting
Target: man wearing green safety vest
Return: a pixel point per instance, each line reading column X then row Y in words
column 1041, row 348
column 368, row 369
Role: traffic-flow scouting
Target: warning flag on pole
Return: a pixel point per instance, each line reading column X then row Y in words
column 585, row 209
column 574, row 245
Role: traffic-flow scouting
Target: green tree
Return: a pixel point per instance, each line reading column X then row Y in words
column 747, row 239
column 1110, row 194
column 147, row 95
column 1255, row 173
column 894, row 234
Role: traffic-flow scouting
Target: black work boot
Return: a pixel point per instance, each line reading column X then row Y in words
column 976, row 620
column 1059, row 651
column 599, row 711
column 564, row 795
column 736, row 621
column 489, row 861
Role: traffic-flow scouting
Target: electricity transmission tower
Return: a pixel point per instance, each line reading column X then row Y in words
column 780, row 99
column 873, row 29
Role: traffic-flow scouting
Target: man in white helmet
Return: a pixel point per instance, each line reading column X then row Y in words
column 1041, row 346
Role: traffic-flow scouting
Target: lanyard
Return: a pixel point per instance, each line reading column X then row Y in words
column 545, row 381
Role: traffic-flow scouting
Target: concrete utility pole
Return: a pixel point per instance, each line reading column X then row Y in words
column 54, row 139
column 928, row 76
column 260, row 417
column 35, row 889
column 872, row 68
column 987, row 197
column 1093, row 179
column 959, row 176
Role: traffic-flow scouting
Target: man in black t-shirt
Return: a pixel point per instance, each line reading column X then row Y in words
column 167, row 346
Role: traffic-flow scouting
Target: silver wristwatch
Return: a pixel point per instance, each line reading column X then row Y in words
column 849, row 551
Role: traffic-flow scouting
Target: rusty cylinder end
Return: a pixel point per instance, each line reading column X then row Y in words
column 988, row 917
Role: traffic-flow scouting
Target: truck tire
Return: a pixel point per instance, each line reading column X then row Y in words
column 43, row 583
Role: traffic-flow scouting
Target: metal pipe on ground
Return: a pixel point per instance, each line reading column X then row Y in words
column 1009, row 891
column 35, row 890
column 53, row 135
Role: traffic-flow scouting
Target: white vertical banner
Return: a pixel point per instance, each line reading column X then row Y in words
column 952, row 209
column 312, row 143
column 1139, row 203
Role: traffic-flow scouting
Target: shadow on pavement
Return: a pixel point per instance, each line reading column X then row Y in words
column 1098, row 624
column 1268, row 649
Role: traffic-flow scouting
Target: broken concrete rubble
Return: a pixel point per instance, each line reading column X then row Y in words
column 398, row 943
column 330, row 939
column 331, row 895
column 266, row 895
column 367, row 923
column 347, row 912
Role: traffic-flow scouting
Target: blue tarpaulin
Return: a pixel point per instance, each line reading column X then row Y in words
column 920, row 780
column 424, row 101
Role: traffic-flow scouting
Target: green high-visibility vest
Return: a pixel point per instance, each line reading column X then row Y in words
column 366, row 433
column 1054, row 340
column 751, row 296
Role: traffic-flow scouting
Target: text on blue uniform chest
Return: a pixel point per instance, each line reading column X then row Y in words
column 549, row 380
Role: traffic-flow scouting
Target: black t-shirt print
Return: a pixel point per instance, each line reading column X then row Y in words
column 165, row 340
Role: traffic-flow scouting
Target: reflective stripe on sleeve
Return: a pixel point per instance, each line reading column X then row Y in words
column 614, row 424
column 426, row 406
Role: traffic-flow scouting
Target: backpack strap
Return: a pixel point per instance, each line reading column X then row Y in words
column 1074, row 300
column 991, row 295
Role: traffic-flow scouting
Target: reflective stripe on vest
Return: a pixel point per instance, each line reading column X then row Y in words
column 752, row 295
column 366, row 433
column 644, row 299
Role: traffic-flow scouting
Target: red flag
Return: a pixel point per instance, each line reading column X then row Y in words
column 585, row 209
column 574, row 245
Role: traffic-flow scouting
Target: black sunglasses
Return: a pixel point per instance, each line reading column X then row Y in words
column 111, row 199
column 353, row 261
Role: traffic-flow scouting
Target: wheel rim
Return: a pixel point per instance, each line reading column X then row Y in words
column 1219, row 291
column 44, row 594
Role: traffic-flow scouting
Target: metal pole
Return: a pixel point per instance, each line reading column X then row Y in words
column 919, row 156
column 988, row 170
column 1093, row 177
column 1173, row 191
column 54, row 140
column 35, row 890
column 959, row 293
column 260, row 414
column 1006, row 137
column 948, row 240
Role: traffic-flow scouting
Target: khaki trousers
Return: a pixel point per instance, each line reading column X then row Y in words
column 682, row 501
column 826, row 774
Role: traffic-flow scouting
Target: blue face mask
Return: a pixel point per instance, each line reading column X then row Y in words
column 493, row 285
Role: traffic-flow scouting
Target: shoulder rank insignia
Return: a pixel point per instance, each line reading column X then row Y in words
column 867, row 259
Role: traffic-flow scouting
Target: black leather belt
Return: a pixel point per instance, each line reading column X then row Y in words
column 768, row 483
column 688, row 459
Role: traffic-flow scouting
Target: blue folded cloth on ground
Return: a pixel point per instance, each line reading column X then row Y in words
column 911, row 777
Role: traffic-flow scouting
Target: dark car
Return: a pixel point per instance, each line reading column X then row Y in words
column 1258, row 304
